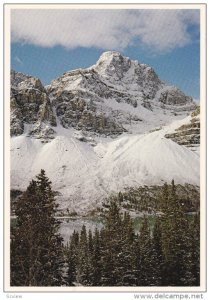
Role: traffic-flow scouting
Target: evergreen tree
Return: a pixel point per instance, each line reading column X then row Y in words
column 136, row 261
column 128, row 277
column 195, row 246
column 120, row 198
column 192, row 275
column 83, row 274
column 106, row 259
column 147, row 272
column 112, row 243
column 95, row 259
column 36, row 245
column 72, row 258
column 156, row 254
column 90, row 242
column 117, row 246
column 175, row 238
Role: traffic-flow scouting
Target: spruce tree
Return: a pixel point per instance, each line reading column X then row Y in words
column 156, row 254
column 111, row 251
column 36, row 245
column 72, row 259
column 192, row 257
column 136, row 261
column 83, row 271
column 147, row 272
column 175, row 238
column 95, row 259
column 195, row 246
column 128, row 277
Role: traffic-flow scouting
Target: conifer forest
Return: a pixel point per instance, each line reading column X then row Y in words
column 164, row 253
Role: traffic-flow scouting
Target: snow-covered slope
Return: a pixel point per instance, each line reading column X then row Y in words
column 84, row 175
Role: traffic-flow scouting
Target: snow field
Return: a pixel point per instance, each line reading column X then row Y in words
column 84, row 175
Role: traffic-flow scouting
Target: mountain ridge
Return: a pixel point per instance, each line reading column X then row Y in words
column 100, row 130
column 103, row 99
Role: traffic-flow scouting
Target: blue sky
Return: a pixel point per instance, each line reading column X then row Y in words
column 46, row 44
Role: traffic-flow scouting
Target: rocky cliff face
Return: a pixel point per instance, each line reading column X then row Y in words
column 17, row 77
column 113, row 96
column 30, row 105
column 173, row 96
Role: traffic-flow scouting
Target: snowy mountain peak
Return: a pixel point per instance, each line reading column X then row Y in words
column 113, row 62
column 108, row 55
column 128, row 75
column 113, row 96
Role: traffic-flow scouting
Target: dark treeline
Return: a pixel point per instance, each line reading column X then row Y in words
column 166, row 254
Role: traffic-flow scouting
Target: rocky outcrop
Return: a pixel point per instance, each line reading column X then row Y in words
column 173, row 96
column 188, row 134
column 82, row 114
column 16, row 78
column 113, row 96
column 30, row 104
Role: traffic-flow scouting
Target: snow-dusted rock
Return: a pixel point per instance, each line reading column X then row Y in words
column 171, row 95
column 118, row 93
column 17, row 77
column 188, row 134
column 128, row 75
column 30, row 104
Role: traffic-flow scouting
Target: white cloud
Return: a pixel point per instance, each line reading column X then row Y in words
column 159, row 30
